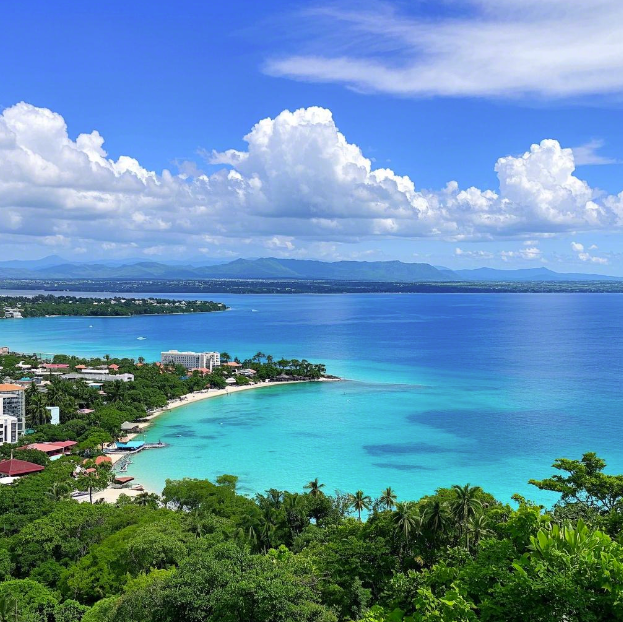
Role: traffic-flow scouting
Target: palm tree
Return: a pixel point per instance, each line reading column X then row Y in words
column 225, row 357
column 314, row 488
column 147, row 499
column 405, row 520
column 359, row 501
column 58, row 491
column 464, row 507
column 479, row 527
column 388, row 498
column 436, row 517
column 116, row 391
column 36, row 411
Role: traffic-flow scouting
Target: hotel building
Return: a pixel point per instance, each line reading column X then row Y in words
column 191, row 360
column 13, row 403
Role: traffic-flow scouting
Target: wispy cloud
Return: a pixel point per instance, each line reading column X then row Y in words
column 587, row 154
column 481, row 48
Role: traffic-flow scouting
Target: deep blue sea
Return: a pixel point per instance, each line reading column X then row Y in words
column 440, row 388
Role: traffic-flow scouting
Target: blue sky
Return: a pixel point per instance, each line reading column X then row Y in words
column 427, row 92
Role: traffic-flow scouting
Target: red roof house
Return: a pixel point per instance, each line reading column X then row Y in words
column 15, row 468
column 113, row 367
column 52, row 448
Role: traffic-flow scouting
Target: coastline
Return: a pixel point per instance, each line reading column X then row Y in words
column 111, row 495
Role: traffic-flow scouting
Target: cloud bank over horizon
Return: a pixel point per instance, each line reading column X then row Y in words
column 298, row 186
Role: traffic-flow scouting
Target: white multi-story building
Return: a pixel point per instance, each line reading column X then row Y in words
column 191, row 360
column 13, row 403
column 12, row 313
column 8, row 429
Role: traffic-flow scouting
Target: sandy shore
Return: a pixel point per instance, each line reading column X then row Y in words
column 111, row 495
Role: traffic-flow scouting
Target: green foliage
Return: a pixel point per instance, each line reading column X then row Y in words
column 42, row 305
column 21, row 598
column 211, row 554
column 585, row 483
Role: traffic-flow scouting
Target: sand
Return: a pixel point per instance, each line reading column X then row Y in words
column 111, row 495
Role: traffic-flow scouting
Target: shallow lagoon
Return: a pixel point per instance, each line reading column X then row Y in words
column 441, row 389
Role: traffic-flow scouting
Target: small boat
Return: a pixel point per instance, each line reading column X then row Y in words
column 141, row 338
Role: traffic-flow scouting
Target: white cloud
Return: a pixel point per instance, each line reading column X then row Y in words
column 459, row 252
column 587, row 154
column 281, row 243
column 298, row 180
column 482, row 48
column 584, row 255
column 529, row 254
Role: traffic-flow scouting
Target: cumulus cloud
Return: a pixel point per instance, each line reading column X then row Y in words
column 477, row 48
column 584, row 255
column 298, row 179
column 478, row 254
column 529, row 253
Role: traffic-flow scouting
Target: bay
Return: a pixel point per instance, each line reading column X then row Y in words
column 440, row 388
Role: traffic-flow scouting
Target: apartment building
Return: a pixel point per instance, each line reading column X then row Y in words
column 191, row 360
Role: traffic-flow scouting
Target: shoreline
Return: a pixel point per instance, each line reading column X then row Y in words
column 111, row 495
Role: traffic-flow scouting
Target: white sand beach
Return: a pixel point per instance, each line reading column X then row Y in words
column 111, row 495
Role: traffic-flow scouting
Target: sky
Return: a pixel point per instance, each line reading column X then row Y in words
column 461, row 133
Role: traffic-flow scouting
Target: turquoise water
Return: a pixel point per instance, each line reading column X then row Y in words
column 441, row 389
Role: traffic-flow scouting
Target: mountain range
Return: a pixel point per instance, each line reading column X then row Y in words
column 55, row 267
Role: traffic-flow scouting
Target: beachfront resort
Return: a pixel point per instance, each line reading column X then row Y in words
column 92, row 412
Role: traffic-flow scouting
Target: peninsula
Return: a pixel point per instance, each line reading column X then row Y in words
column 16, row 307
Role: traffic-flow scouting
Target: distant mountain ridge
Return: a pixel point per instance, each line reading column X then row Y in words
column 55, row 267
column 529, row 274
column 264, row 268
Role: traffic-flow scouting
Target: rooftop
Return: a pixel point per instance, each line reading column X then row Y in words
column 14, row 467
column 50, row 446
column 10, row 387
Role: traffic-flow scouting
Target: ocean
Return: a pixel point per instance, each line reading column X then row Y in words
column 439, row 389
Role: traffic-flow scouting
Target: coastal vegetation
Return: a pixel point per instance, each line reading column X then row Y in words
column 45, row 305
column 202, row 552
column 154, row 385
column 303, row 286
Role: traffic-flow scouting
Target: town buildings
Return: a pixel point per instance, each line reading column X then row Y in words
column 97, row 375
column 13, row 403
column 8, row 429
column 191, row 360
column 53, row 449
column 12, row 313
